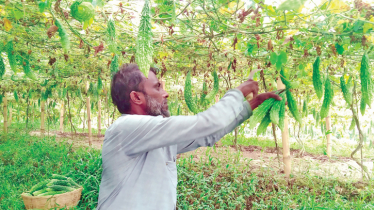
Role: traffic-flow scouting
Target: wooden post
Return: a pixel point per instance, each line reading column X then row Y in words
column 62, row 117
column 217, row 98
column 5, row 111
column 328, row 137
column 10, row 116
column 285, row 139
column 88, row 105
column 99, row 118
column 42, row 109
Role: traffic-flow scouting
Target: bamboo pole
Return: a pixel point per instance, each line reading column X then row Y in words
column 328, row 137
column 99, row 118
column 62, row 117
column 42, row 109
column 10, row 116
column 285, row 139
column 5, row 111
column 88, row 105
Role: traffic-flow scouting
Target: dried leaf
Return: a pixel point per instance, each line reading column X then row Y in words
column 99, row 48
column 51, row 31
column 51, row 61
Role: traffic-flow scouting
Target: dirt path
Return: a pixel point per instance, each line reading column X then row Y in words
column 256, row 156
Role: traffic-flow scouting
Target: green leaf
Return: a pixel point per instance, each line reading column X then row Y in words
column 282, row 57
column 291, row 5
column 339, row 49
column 273, row 58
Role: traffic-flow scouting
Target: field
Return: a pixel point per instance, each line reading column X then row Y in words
column 218, row 177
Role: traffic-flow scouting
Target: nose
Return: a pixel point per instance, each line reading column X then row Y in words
column 166, row 94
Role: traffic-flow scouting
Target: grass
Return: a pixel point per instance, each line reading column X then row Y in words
column 312, row 146
column 213, row 183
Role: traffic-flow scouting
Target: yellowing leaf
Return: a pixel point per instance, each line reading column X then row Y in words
column 7, row 24
column 232, row 5
column 292, row 32
column 337, row 6
column 368, row 26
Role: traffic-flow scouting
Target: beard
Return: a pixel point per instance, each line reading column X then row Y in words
column 154, row 108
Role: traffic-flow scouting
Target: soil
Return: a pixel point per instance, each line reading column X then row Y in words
column 256, row 156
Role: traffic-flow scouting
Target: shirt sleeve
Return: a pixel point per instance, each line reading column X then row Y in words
column 210, row 140
column 142, row 133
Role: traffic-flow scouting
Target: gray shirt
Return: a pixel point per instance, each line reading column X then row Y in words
column 139, row 152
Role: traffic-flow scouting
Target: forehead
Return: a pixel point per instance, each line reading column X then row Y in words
column 151, row 80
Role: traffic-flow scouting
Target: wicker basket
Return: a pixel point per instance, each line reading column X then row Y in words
column 67, row 200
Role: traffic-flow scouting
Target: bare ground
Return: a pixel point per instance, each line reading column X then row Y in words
column 256, row 156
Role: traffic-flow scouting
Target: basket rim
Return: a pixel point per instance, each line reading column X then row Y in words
column 48, row 196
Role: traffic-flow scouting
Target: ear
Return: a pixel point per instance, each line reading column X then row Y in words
column 137, row 97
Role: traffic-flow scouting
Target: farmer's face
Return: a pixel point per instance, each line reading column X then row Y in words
column 156, row 97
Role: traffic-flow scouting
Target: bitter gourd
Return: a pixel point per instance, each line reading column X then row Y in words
column 366, row 81
column 99, row 84
column 282, row 112
column 64, row 37
column 352, row 125
column 214, row 92
column 59, row 188
column 60, row 177
column 264, row 124
column 347, row 91
column 144, row 42
column 329, row 95
column 292, row 105
column 59, row 182
column 11, row 56
column 26, row 67
column 39, row 186
column 275, row 110
column 36, row 193
column 191, row 103
column 15, row 95
column 260, row 112
column 305, row 109
column 317, row 80
column 114, row 65
column 203, row 93
column 2, row 67
column 53, row 193
column 72, row 182
column 111, row 30
column 362, row 106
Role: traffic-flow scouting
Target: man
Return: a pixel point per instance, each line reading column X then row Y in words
column 140, row 147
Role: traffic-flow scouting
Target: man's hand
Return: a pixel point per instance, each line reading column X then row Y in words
column 248, row 87
column 256, row 101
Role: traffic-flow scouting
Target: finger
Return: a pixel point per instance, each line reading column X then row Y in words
column 255, row 93
column 275, row 96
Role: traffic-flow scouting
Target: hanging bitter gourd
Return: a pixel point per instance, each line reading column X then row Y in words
column 64, row 37
column 15, row 95
column 327, row 100
column 144, row 43
column 366, row 81
column 2, row 67
column 26, row 67
column 275, row 110
column 11, row 56
column 347, row 91
column 203, row 94
column 260, row 112
column 111, row 30
column 214, row 92
column 305, row 109
column 282, row 112
column 191, row 103
column 292, row 106
column 264, row 124
column 99, row 84
column 317, row 80
column 362, row 106
column 114, row 65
